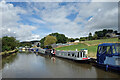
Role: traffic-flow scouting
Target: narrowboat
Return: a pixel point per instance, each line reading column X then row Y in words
column 73, row 55
column 108, row 56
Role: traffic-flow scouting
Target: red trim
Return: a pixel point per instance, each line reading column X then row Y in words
column 84, row 58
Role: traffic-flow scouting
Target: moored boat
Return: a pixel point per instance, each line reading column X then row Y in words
column 108, row 56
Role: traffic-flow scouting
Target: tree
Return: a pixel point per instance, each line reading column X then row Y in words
column 82, row 38
column 71, row 40
column 9, row 43
column 110, row 31
column 42, row 42
column 115, row 32
column 105, row 31
column 61, row 38
column 95, row 36
column 49, row 40
column 76, row 38
column 90, row 36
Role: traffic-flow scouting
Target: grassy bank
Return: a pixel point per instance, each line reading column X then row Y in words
column 96, row 42
column 7, row 53
column 90, row 45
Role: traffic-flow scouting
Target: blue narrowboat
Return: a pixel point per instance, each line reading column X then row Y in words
column 108, row 56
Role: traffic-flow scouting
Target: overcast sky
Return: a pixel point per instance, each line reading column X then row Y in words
column 35, row 20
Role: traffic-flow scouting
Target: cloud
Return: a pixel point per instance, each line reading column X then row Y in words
column 10, row 16
column 104, row 15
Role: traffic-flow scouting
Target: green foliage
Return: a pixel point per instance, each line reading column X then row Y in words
column 50, row 40
column 60, row 37
column 103, row 33
column 23, row 44
column 9, row 43
column 90, row 36
column 71, row 40
column 83, row 39
column 95, row 36
column 49, row 47
column 42, row 42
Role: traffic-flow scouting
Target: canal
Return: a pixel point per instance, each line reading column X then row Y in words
column 30, row 65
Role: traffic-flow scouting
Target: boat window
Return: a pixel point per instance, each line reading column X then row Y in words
column 113, row 48
column 72, row 55
column 103, row 49
column 99, row 49
column 78, row 55
column 108, row 50
column 83, row 53
column 68, row 54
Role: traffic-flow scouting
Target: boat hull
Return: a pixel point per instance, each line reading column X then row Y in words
column 108, row 67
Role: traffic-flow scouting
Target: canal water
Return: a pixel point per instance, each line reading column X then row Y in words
column 30, row 65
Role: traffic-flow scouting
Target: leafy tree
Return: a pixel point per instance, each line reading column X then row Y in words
column 115, row 32
column 23, row 44
column 76, row 38
column 82, row 39
column 90, row 36
column 49, row 40
column 105, row 31
column 95, row 36
column 42, row 42
column 9, row 43
column 60, row 37
column 110, row 31
column 71, row 40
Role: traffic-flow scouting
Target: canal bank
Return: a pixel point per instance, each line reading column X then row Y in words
column 30, row 65
column 7, row 53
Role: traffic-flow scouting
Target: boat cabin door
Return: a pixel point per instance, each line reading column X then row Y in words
column 102, row 52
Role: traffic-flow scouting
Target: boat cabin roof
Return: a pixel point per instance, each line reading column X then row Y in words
column 107, row 44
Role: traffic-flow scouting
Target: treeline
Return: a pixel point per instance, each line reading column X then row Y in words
column 103, row 34
column 10, row 43
column 61, row 38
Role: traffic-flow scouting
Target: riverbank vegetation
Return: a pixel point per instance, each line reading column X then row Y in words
column 8, row 53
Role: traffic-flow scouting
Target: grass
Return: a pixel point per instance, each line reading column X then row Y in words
column 96, row 42
column 91, row 46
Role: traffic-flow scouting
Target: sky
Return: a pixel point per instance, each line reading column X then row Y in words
column 34, row 20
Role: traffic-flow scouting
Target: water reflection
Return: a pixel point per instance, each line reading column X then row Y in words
column 31, row 65
column 9, row 59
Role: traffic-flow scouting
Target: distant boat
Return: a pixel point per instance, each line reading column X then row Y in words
column 39, row 50
column 108, row 56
